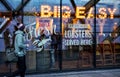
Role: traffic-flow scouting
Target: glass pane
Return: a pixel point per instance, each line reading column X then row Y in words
column 47, row 59
column 2, row 7
column 81, row 2
column 77, row 48
column 14, row 3
column 107, row 33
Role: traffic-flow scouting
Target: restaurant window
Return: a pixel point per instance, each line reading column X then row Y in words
column 78, row 38
column 76, row 35
column 108, row 44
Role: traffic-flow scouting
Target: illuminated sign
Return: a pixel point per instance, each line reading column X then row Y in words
column 48, row 11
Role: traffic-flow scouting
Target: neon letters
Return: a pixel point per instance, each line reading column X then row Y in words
column 48, row 11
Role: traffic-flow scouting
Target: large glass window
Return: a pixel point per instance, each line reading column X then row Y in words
column 82, row 34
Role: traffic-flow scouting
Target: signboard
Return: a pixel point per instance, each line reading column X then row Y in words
column 77, row 34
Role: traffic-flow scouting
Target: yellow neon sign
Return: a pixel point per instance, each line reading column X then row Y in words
column 48, row 11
